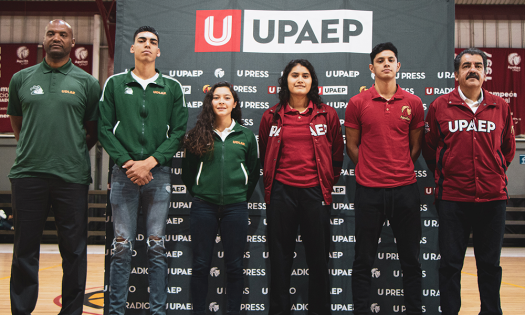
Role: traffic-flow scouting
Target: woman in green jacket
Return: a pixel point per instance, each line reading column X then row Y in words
column 221, row 170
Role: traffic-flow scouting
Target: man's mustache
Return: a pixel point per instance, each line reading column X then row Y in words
column 472, row 75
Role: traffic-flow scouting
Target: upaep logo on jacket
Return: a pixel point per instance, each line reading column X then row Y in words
column 473, row 125
column 320, row 130
column 275, row 131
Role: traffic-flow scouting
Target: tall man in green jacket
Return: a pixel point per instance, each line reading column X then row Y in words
column 143, row 118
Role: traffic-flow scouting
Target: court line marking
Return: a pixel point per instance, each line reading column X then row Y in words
column 55, row 266
column 502, row 282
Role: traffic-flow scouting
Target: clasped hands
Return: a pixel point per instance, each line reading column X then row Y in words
column 139, row 172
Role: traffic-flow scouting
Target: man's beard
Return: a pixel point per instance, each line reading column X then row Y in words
column 58, row 54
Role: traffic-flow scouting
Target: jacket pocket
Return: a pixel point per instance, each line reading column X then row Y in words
column 453, row 166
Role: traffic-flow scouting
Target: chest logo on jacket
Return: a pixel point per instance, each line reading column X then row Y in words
column 406, row 111
column 320, row 130
column 36, row 89
column 465, row 125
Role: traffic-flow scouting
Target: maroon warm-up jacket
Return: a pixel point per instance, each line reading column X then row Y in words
column 469, row 152
column 328, row 145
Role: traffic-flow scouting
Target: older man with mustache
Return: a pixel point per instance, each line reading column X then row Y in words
column 470, row 143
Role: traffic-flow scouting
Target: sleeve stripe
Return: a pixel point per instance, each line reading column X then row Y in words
column 180, row 85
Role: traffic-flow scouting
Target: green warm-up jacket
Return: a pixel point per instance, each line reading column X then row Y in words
column 135, row 124
column 227, row 175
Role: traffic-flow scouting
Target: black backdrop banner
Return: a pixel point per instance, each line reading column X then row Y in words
column 248, row 43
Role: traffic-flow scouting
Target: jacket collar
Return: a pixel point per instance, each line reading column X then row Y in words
column 160, row 81
column 315, row 111
column 488, row 99
column 289, row 109
column 237, row 127
column 64, row 69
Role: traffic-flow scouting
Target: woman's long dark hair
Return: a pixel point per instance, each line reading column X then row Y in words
column 284, row 93
column 199, row 140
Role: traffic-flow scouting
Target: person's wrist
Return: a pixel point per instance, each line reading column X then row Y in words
column 153, row 162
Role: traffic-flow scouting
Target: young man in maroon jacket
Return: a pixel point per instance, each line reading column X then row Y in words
column 470, row 142
column 384, row 131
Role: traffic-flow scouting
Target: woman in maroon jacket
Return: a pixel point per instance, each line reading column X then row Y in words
column 301, row 149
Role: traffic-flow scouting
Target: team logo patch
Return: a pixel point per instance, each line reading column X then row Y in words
column 36, row 89
column 159, row 92
column 406, row 111
column 68, row 92
column 239, row 142
column 128, row 90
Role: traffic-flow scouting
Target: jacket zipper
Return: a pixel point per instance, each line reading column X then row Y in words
column 143, row 122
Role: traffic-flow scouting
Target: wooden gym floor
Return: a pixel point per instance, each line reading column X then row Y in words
column 512, row 288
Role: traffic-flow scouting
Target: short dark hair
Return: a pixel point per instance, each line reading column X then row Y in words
column 470, row 51
column 380, row 47
column 146, row 28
